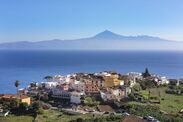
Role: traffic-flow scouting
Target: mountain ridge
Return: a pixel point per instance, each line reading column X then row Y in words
column 103, row 40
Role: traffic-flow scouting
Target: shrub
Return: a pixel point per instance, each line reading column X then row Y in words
column 79, row 120
column 91, row 101
column 35, row 106
column 136, row 87
column 40, row 111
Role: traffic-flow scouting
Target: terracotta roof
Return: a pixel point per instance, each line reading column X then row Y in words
column 133, row 118
column 105, row 108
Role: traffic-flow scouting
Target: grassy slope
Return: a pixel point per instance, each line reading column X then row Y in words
column 56, row 116
column 171, row 103
column 12, row 118
column 48, row 116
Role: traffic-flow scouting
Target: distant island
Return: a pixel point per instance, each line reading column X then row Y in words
column 105, row 40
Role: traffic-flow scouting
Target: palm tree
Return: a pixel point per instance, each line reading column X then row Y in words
column 17, row 83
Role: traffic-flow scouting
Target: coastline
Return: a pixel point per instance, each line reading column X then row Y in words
column 29, row 66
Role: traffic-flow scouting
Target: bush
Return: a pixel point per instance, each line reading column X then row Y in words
column 154, row 98
column 136, row 87
column 91, row 101
column 79, row 120
column 35, row 106
column 40, row 111
column 131, row 96
column 45, row 116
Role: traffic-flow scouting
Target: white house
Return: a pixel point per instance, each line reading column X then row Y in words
column 122, row 83
column 76, row 97
column 128, row 79
column 59, row 93
column 164, row 80
column 135, row 75
column 106, row 95
column 114, row 93
column 161, row 80
column 118, row 92
column 59, row 78
column 68, row 78
column 49, row 85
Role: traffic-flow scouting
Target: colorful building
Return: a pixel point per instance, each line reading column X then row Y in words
column 13, row 97
column 110, row 81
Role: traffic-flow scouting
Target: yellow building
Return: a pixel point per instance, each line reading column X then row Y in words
column 110, row 81
column 25, row 99
column 10, row 97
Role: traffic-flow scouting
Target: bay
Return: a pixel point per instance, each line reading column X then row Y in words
column 33, row 65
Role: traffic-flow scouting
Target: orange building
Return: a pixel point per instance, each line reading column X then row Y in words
column 10, row 97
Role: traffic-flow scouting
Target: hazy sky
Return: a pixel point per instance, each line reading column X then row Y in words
column 35, row 20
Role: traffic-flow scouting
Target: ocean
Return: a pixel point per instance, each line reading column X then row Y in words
column 29, row 65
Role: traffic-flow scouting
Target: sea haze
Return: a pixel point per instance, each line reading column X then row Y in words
column 28, row 65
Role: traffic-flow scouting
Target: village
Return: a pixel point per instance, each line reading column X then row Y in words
column 104, row 93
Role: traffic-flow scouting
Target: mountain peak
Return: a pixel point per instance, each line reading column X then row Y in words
column 107, row 31
column 107, row 34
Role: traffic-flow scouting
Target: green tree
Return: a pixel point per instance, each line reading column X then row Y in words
column 146, row 73
column 147, row 84
column 35, row 106
column 23, row 107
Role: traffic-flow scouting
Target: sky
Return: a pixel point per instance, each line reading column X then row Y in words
column 37, row 20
